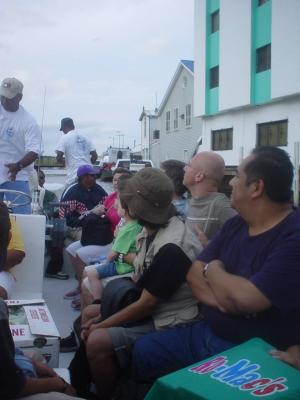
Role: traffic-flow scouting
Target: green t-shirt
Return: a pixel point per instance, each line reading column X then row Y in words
column 125, row 243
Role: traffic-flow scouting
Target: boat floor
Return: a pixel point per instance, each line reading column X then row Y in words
column 61, row 311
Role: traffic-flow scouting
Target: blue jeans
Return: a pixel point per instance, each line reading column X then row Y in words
column 23, row 186
column 162, row 352
column 25, row 363
column 106, row 269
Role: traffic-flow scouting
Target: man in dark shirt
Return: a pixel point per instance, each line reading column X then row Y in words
column 247, row 278
column 77, row 199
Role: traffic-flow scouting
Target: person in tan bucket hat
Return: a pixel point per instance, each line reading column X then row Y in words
column 164, row 257
column 149, row 194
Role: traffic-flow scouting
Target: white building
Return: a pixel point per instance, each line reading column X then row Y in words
column 247, row 75
column 177, row 131
column 148, row 119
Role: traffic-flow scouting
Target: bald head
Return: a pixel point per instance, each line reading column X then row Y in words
column 210, row 164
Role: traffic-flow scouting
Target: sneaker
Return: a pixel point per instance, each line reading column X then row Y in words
column 68, row 344
column 58, row 275
column 76, row 304
column 72, row 294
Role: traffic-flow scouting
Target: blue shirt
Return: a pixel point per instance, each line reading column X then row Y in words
column 271, row 261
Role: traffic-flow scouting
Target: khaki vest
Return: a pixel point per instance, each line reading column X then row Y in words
column 182, row 306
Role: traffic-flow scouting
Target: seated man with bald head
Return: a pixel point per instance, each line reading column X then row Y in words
column 208, row 209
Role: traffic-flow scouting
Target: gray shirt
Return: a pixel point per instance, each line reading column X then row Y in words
column 209, row 213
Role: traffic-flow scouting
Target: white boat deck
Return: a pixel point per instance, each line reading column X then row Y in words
column 62, row 313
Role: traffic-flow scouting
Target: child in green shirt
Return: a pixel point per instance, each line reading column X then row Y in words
column 124, row 243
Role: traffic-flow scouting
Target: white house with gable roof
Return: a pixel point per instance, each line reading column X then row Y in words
column 173, row 131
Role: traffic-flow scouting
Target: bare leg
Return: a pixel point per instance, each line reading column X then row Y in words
column 86, row 296
column 90, row 312
column 95, row 283
column 102, row 361
column 79, row 267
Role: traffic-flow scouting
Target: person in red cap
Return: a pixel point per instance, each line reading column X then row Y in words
column 74, row 150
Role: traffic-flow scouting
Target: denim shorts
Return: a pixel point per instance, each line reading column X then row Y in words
column 25, row 364
column 106, row 269
column 163, row 352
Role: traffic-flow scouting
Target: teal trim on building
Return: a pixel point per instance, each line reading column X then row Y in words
column 260, row 36
column 212, row 58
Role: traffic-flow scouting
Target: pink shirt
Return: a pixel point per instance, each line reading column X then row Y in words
column 111, row 212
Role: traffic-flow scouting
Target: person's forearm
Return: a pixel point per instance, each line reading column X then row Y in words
column 234, row 294
column 200, row 287
column 14, row 257
column 42, row 385
column 28, row 159
column 134, row 312
column 129, row 258
column 112, row 256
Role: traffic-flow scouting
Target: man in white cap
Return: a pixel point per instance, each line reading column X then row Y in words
column 20, row 142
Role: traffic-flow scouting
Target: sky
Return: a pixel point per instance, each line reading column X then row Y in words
column 96, row 61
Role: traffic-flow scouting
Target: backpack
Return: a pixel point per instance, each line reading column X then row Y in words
column 96, row 230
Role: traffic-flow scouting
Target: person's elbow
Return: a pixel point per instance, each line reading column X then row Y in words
column 242, row 304
column 14, row 257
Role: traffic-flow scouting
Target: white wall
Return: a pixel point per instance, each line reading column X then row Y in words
column 177, row 143
column 199, row 61
column 235, row 53
column 285, row 73
column 244, row 124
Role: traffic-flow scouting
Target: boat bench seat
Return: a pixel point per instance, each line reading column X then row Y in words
column 30, row 273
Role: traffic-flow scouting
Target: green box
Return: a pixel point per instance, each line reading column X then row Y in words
column 244, row 372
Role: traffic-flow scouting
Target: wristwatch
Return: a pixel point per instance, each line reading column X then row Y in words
column 65, row 386
column 19, row 166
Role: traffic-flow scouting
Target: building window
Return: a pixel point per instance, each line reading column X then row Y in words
column 214, row 77
column 263, row 58
column 222, row 139
column 272, row 133
column 176, row 113
column 261, row 2
column 156, row 134
column 215, row 21
column 168, row 120
column 188, row 114
column 145, row 127
column 184, row 82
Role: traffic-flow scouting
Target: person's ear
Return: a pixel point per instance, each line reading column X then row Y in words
column 258, row 188
column 199, row 177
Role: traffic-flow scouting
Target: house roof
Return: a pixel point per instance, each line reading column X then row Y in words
column 149, row 113
column 188, row 65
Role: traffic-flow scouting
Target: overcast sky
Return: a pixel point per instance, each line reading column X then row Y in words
column 99, row 60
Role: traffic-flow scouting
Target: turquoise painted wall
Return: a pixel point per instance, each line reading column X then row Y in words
column 212, row 58
column 261, row 36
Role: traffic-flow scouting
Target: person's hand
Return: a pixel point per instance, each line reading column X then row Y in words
column 98, row 210
column 88, row 327
column 291, row 356
column 65, row 387
column 13, row 169
column 43, row 370
column 70, row 390
column 201, row 236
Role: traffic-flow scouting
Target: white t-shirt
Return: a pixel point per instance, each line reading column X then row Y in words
column 19, row 134
column 77, row 149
